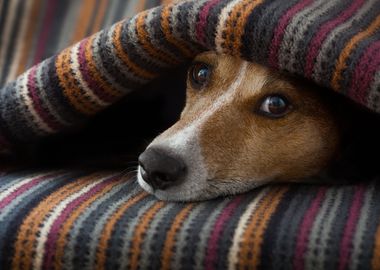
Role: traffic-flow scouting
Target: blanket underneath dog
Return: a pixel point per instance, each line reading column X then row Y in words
column 76, row 219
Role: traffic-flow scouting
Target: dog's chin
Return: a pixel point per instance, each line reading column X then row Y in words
column 200, row 190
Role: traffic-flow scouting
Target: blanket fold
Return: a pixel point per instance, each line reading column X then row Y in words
column 333, row 43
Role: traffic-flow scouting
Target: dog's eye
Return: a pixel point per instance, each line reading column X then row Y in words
column 274, row 106
column 199, row 74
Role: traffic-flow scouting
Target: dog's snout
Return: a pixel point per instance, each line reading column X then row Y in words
column 159, row 169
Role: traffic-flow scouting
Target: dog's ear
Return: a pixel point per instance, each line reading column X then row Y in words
column 357, row 158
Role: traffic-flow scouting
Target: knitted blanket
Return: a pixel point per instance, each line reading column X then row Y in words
column 70, row 219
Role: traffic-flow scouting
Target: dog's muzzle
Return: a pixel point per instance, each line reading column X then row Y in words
column 161, row 170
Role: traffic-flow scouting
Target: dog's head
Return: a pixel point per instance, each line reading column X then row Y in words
column 243, row 125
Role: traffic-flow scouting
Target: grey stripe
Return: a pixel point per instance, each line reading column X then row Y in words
column 334, row 226
column 154, row 28
column 45, row 96
column 9, row 180
column 43, row 185
column 361, row 229
column 204, row 234
column 374, row 93
column 116, row 196
column 99, row 226
column 129, row 232
column 294, row 36
column 183, row 234
column 117, row 62
column 96, row 56
column 151, row 238
column 322, row 224
column 332, row 45
column 134, row 40
column 284, row 244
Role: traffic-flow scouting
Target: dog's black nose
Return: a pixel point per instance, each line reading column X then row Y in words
column 159, row 169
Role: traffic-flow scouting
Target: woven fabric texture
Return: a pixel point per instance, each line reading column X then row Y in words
column 76, row 219
column 334, row 43
column 102, row 220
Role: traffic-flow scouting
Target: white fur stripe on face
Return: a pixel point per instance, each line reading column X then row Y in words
column 185, row 144
column 183, row 136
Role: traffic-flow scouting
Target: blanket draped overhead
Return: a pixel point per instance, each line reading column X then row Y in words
column 91, row 219
column 334, row 43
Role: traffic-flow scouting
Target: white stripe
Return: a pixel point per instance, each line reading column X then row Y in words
column 14, row 186
column 223, row 17
column 28, row 102
column 74, row 55
column 47, row 224
column 241, row 227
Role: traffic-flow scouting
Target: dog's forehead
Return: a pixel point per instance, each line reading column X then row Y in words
column 226, row 69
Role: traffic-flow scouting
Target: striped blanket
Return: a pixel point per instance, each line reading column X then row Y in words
column 81, row 219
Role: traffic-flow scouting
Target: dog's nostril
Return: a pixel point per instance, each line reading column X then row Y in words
column 159, row 169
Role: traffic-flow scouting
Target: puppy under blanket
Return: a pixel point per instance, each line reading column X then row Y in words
column 83, row 220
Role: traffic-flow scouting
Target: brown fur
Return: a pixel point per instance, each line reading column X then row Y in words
column 238, row 143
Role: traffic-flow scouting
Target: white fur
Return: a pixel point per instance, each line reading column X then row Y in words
column 184, row 144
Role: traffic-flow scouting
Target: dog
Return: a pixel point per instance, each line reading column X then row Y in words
column 245, row 125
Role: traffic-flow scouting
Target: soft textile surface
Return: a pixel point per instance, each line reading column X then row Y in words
column 84, row 220
column 70, row 219
column 335, row 43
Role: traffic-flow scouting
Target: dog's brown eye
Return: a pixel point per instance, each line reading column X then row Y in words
column 199, row 74
column 274, row 106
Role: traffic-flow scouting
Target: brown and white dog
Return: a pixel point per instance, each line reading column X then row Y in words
column 244, row 125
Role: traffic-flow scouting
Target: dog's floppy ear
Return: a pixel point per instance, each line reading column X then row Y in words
column 357, row 159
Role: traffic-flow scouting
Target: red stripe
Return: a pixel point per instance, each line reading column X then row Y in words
column 353, row 217
column 202, row 23
column 322, row 33
column 20, row 190
column 212, row 250
column 51, row 242
column 280, row 30
column 305, row 227
column 365, row 72
column 37, row 105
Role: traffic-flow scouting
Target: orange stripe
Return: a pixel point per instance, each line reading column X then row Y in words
column 83, row 21
column 341, row 63
column 249, row 256
column 167, row 253
column 242, row 22
column 96, row 75
column 144, row 39
column 233, row 19
column 101, row 11
column 70, row 87
column 376, row 252
column 140, row 233
column 107, row 231
column 27, row 40
column 28, row 231
column 165, row 23
column 122, row 55
column 65, row 229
